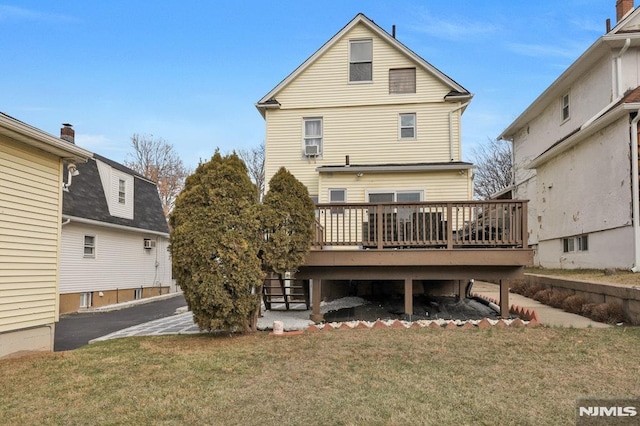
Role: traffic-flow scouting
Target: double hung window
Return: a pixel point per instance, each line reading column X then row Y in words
column 360, row 61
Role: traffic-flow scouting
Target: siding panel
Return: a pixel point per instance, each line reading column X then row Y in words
column 30, row 205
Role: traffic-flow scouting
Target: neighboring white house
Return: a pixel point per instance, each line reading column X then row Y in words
column 365, row 119
column 575, row 151
column 114, row 237
column 32, row 164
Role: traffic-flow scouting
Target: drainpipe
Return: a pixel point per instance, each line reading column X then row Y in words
column 451, row 128
column 635, row 202
column 618, row 59
column 66, row 222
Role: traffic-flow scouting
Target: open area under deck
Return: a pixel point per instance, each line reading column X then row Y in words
column 410, row 242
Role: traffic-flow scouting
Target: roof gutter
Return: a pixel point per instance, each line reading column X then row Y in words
column 17, row 130
column 85, row 221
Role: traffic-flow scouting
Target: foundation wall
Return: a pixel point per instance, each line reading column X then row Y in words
column 70, row 303
column 36, row 339
column 628, row 297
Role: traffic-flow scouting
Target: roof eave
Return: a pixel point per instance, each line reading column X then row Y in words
column 574, row 139
column 36, row 138
column 395, row 168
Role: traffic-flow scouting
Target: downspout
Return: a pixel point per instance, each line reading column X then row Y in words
column 618, row 59
column 66, row 222
column 451, row 128
column 635, row 202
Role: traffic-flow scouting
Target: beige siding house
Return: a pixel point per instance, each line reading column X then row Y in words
column 32, row 164
column 366, row 119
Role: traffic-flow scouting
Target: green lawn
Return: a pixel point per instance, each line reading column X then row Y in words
column 522, row 376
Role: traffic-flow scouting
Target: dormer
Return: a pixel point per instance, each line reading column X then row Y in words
column 118, row 190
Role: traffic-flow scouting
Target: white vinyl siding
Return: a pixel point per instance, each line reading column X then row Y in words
column 327, row 80
column 434, row 186
column 121, row 260
column 30, row 206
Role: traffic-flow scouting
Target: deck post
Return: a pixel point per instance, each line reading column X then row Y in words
column 380, row 225
column 316, row 316
column 461, row 289
column 449, row 226
column 504, row 298
column 408, row 296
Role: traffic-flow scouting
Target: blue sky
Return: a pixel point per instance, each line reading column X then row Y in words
column 190, row 72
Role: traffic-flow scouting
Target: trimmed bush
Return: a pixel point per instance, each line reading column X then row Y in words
column 557, row 298
column 543, row 296
column 215, row 241
column 574, row 304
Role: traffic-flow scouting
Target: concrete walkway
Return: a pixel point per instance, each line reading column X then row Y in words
column 182, row 322
column 546, row 314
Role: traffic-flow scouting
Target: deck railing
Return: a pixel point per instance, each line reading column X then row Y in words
column 449, row 225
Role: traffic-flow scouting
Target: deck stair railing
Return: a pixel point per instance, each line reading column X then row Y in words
column 448, row 225
column 279, row 291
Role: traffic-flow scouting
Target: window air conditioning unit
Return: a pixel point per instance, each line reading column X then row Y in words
column 311, row 150
column 149, row 244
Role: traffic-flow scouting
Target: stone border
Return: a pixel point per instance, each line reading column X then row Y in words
column 438, row 324
column 528, row 314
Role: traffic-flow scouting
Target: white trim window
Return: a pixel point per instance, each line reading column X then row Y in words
column 390, row 196
column 336, row 196
column 89, row 246
column 407, row 126
column 361, row 61
column 137, row 293
column 577, row 243
column 122, row 191
column 86, row 300
column 312, row 139
column 565, row 107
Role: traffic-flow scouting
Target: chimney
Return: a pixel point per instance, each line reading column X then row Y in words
column 67, row 133
column 622, row 8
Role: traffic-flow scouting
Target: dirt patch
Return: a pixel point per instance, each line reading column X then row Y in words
column 424, row 308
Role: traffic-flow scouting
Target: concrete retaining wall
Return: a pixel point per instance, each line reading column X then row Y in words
column 628, row 297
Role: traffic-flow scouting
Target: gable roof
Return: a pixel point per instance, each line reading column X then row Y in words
column 627, row 29
column 457, row 91
column 86, row 199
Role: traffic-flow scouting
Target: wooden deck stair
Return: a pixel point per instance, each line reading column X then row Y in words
column 277, row 290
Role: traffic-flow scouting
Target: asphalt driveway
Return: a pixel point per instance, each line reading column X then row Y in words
column 76, row 330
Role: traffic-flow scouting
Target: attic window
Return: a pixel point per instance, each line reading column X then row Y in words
column 565, row 107
column 122, row 196
column 360, row 61
column 402, row 80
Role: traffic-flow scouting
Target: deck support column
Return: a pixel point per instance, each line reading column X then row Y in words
column 504, row 298
column 316, row 297
column 461, row 289
column 408, row 296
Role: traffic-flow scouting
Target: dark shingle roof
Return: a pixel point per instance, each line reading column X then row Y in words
column 86, row 199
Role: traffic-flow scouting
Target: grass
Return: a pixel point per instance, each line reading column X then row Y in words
column 620, row 277
column 524, row 376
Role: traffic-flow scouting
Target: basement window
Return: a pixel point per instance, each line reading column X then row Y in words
column 577, row 243
column 86, row 300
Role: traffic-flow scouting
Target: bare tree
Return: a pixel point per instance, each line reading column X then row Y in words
column 155, row 159
column 494, row 168
column 254, row 160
